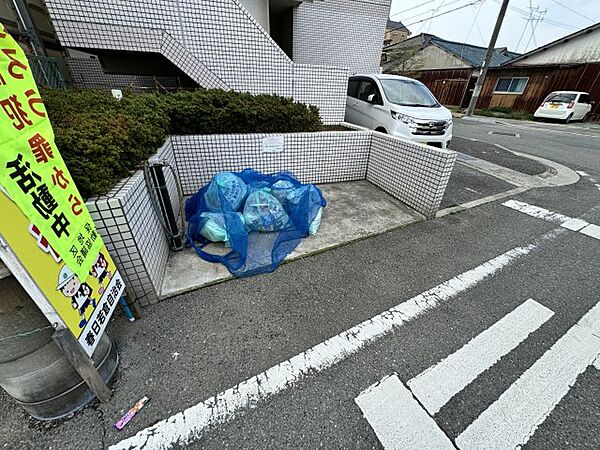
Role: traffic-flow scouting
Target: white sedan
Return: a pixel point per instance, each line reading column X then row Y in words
column 565, row 105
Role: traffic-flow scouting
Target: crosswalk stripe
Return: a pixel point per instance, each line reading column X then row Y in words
column 567, row 222
column 513, row 418
column 437, row 385
column 398, row 420
column 536, row 211
column 190, row 424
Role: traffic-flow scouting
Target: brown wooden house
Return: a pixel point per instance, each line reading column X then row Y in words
column 571, row 63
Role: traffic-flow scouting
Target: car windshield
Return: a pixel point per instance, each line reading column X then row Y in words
column 558, row 97
column 408, row 93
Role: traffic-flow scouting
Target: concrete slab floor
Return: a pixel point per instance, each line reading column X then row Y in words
column 354, row 210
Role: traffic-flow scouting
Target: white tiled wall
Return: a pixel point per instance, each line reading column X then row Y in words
column 413, row 173
column 126, row 219
column 326, row 157
column 343, row 33
column 220, row 45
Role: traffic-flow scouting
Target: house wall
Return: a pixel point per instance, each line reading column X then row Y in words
column 395, row 35
column 343, row 33
column 412, row 58
column 578, row 50
column 542, row 81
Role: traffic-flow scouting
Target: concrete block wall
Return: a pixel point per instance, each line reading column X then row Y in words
column 343, row 33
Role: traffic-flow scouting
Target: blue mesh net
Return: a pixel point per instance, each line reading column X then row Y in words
column 261, row 217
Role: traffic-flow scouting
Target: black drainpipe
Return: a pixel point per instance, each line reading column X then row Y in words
column 159, row 183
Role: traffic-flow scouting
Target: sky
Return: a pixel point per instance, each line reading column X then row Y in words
column 474, row 23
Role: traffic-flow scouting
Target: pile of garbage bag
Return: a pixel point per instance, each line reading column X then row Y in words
column 262, row 218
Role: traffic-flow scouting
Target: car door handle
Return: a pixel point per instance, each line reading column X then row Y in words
column 355, row 104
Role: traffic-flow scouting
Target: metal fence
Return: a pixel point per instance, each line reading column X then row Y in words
column 46, row 71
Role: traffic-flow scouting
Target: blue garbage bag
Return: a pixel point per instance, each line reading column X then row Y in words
column 228, row 185
column 254, row 252
column 214, row 228
column 263, row 212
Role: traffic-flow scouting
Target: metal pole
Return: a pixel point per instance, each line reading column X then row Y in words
column 488, row 58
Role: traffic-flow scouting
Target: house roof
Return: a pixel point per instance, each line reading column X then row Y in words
column 474, row 54
column 471, row 54
column 559, row 41
column 395, row 25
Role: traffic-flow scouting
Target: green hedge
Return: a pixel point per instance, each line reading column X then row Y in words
column 103, row 139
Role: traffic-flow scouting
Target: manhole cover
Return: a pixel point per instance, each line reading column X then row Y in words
column 505, row 133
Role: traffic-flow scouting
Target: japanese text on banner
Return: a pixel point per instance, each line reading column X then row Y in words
column 32, row 170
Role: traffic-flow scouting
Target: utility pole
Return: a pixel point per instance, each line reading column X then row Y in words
column 488, row 58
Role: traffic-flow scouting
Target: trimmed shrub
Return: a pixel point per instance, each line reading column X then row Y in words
column 103, row 139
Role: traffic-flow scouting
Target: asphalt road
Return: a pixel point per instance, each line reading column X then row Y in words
column 574, row 145
column 193, row 347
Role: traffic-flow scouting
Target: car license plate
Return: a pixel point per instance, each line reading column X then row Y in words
column 554, row 106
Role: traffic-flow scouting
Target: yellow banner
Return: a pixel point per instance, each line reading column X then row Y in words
column 32, row 171
column 84, row 304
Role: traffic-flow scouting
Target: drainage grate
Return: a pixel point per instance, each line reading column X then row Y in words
column 504, row 133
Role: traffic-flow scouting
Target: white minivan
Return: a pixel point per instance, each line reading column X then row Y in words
column 565, row 105
column 398, row 106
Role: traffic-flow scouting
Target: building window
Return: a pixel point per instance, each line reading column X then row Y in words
column 510, row 85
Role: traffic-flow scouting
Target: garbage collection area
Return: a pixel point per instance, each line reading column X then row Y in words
column 372, row 212
column 359, row 182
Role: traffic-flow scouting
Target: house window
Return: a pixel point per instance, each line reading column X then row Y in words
column 510, row 85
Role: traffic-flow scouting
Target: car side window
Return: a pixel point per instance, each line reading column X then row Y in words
column 367, row 88
column 353, row 87
column 584, row 98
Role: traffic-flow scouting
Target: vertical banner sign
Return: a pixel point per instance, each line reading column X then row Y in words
column 43, row 217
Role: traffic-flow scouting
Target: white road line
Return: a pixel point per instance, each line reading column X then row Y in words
column 582, row 173
column 510, row 421
column 591, row 230
column 536, row 211
column 573, row 224
column 437, row 385
column 597, row 363
column 398, row 420
column 190, row 424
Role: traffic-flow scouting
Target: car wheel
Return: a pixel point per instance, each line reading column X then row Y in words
column 568, row 119
column 381, row 130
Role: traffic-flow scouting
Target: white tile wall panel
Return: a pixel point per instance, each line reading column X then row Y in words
column 343, row 33
column 132, row 231
column 216, row 42
column 175, row 52
column 413, row 173
column 324, row 87
column 325, row 157
column 87, row 73
column 131, row 228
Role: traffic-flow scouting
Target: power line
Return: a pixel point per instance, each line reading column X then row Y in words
column 548, row 21
column 573, row 11
column 410, row 9
column 434, row 10
column 445, row 12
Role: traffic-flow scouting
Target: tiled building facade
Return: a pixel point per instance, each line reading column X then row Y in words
column 218, row 43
